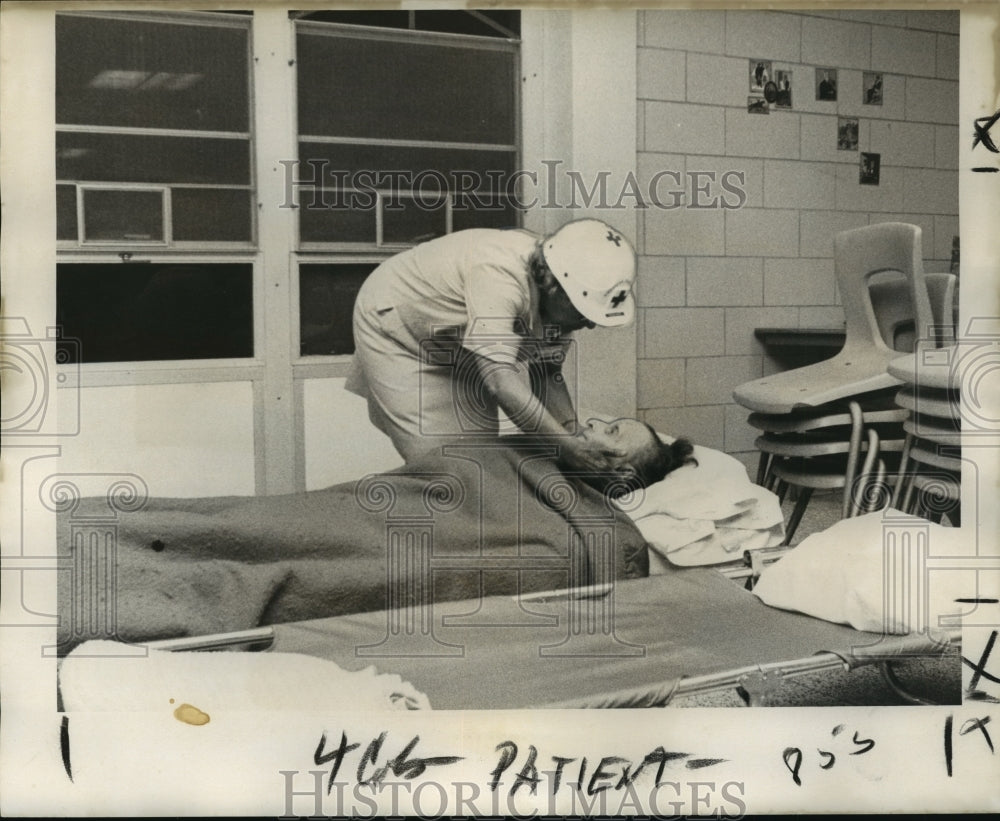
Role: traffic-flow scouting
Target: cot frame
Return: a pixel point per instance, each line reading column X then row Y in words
column 757, row 684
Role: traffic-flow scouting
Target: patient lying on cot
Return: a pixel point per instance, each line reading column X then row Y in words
column 633, row 454
column 479, row 516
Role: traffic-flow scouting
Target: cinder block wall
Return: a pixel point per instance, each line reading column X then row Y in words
column 709, row 276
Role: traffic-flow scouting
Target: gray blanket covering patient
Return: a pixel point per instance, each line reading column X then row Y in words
column 489, row 519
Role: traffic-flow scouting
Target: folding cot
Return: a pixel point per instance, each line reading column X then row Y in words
column 638, row 643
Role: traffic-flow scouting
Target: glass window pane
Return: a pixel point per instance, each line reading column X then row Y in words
column 378, row 17
column 412, row 220
column 66, row 212
column 326, row 302
column 151, row 74
column 456, row 22
column 483, row 211
column 350, row 87
column 402, row 167
column 142, row 158
column 140, row 312
column 212, row 214
column 123, row 215
column 462, row 22
column 328, row 217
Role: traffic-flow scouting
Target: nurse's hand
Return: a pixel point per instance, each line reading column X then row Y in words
column 572, row 426
column 577, row 454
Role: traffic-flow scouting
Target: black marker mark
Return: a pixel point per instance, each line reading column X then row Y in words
column 508, row 752
column 698, row 763
column 410, row 768
column 983, row 132
column 979, row 695
column 978, row 724
column 979, row 601
column 529, row 773
column 557, row 778
column 867, row 743
column 600, row 774
column 788, row 755
column 337, row 756
column 986, row 169
column 64, row 746
column 980, row 669
column 371, row 755
column 947, row 744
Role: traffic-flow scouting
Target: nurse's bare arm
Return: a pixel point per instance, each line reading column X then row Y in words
column 554, row 394
column 530, row 414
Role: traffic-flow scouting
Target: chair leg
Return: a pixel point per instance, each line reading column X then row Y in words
column 880, row 494
column 897, row 492
column 858, row 491
column 853, row 454
column 800, row 507
column 908, row 500
column 781, row 489
column 763, row 468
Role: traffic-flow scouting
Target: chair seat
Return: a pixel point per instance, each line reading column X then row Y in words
column 928, row 367
column 938, row 485
column 820, row 472
column 878, row 406
column 851, row 372
column 926, row 427
column 827, row 441
column 928, row 455
column 933, row 401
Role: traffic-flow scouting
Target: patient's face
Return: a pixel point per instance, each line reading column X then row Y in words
column 628, row 438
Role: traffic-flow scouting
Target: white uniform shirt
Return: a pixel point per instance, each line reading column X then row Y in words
column 472, row 286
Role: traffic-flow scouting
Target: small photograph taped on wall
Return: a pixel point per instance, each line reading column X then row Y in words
column 757, row 105
column 760, row 75
column 847, row 133
column 872, row 86
column 870, row 168
column 783, row 80
column 826, row 84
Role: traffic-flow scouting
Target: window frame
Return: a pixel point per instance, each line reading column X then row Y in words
column 277, row 372
column 321, row 365
column 130, row 372
column 166, row 223
column 510, row 45
column 179, row 17
column 156, row 371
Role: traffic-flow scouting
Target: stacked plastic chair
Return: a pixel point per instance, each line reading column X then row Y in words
column 824, row 426
column 929, row 479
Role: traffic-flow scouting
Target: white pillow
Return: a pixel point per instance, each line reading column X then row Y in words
column 716, row 488
column 707, row 513
column 868, row 572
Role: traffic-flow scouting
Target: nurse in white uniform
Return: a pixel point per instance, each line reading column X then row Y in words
column 448, row 332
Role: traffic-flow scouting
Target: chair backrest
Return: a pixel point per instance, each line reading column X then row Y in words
column 941, row 291
column 892, row 305
column 861, row 253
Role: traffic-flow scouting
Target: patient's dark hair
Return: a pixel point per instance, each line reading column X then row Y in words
column 665, row 458
column 660, row 459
